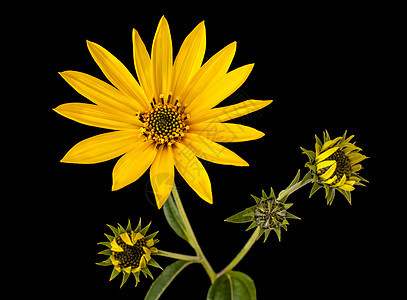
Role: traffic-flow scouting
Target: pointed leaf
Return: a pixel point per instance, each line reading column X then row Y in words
column 105, row 263
column 114, row 230
column 128, row 228
column 257, row 199
column 166, row 277
column 125, row 277
column 232, row 285
column 243, row 216
column 174, row 219
column 314, row 188
column 114, row 274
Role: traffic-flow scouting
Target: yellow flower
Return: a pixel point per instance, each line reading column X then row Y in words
column 130, row 251
column 335, row 165
column 165, row 119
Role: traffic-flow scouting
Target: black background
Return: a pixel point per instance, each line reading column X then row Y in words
column 319, row 65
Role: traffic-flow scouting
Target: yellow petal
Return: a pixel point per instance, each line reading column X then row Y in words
column 356, row 158
column 189, row 58
column 326, row 154
column 143, row 262
column 127, row 270
column 126, row 238
column 331, row 180
column 118, row 74
column 222, row 114
column 142, row 63
column 330, row 143
column 161, row 58
column 114, row 261
column 147, row 251
column 150, row 243
column 100, row 92
column 347, row 187
column 329, row 173
column 226, row 132
column 115, row 247
column 154, row 250
column 162, row 175
column 97, row 116
column 192, row 171
column 356, row 168
column 136, row 236
column 342, row 181
column 223, row 88
column 102, row 147
column 215, row 68
column 133, row 164
column 211, row 151
column 325, row 164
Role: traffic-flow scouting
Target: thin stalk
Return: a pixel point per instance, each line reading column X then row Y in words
column 178, row 256
column 191, row 235
column 241, row 254
column 292, row 189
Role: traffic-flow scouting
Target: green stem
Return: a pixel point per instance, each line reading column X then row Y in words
column 292, row 189
column 241, row 254
column 178, row 256
column 191, row 236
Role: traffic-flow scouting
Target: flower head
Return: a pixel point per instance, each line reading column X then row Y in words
column 335, row 165
column 130, row 251
column 269, row 214
column 166, row 118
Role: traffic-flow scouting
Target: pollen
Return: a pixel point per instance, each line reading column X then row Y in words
column 164, row 123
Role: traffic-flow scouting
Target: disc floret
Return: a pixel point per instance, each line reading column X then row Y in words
column 165, row 123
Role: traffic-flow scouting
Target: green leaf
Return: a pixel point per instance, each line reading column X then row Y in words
column 114, row 230
column 243, row 216
column 174, row 219
column 232, row 286
column 166, row 277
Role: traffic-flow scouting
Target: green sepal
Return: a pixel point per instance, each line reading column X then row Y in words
column 291, row 216
column 109, row 237
column 146, row 271
column 331, row 195
column 278, row 232
column 243, row 216
column 125, row 277
column 107, row 244
column 120, row 229
column 254, row 224
column 106, row 252
column 272, row 194
column 138, row 228
column 257, row 199
column 318, row 141
column 153, row 263
column 314, row 188
column 307, row 176
column 262, row 230
column 105, row 263
column 346, row 194
column 128, row 228
column 145, row 229
column 151, row 236
column 264, row 195
column 114, row 274
column 266, row 235
column 311, row 154
column 137, row 277
column 114, row 230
